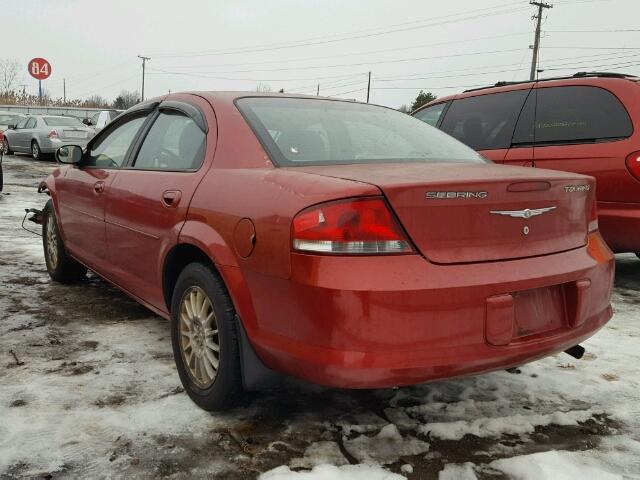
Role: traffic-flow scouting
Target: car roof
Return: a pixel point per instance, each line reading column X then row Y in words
column 586, row 78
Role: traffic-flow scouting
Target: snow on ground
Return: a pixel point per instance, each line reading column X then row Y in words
column 92, row 392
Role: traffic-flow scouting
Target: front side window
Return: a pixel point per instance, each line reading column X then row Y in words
column 485, row 122
column 302, row 131
column 431, row 115
column 110, row 150
column 94, row 119
column 174, row 142
column 579, row 114
column 9, row 119
column 22, row 123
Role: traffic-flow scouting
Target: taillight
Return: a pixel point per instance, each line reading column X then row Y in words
column 53, row 134
column 633, row 164
column 593, row 216
column 350, row 227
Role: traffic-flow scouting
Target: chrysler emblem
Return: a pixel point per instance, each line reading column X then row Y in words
column 526, row 213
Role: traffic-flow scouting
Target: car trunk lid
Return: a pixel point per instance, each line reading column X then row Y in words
column 459, row 213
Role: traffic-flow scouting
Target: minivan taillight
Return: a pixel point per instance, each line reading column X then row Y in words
column 593, row 217
column 633, row 164
column 363, row 226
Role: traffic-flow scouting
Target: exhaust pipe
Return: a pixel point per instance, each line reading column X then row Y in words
column 577, row 351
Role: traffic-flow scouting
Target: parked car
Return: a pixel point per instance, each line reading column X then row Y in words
column 7, row 118
column 98, row 120
column 344, row 243
column 44, row 134
column 588, row 123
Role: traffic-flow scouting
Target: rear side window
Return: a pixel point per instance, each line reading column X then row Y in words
column 432, row 114
column 579, row 114
column 485, row 122
column 173, row 143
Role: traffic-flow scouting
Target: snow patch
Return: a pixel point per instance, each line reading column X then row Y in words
column 452, row 471
column 331, row 472
column 558, row 465
column 320, row 453
column 386, row 447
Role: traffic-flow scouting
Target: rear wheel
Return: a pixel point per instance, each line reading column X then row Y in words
column 35, row 150
column 204, row 339
column 61, row 267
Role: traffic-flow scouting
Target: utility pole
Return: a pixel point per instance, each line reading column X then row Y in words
column 536, row 42
column 144, row 61
column 318, row 91
column 64, row 90
column 368, row 87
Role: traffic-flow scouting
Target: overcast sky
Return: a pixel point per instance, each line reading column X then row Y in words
column 408, row 45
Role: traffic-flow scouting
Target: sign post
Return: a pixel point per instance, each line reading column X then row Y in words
column 40, row 69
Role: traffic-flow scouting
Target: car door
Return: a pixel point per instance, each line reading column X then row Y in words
column 485, row 122
column 27, row 134
column 584, row 129
column 13, row 136
column 82, row 191
column 148, row 201
column 21, row 136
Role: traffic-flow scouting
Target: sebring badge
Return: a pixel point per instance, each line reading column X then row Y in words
column 526, row 213
column 443, row 195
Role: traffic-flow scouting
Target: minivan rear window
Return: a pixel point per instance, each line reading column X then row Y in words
column 485, row 122
column 579, row 114
column 303, row 131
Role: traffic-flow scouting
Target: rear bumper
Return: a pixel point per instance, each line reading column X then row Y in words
column 366, row 323
column 620, row 225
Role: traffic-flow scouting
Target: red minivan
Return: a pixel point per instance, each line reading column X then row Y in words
column 583, row 124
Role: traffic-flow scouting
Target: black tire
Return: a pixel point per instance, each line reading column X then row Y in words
column 36, row 153
column 6, row 150
column 226, row 389
column 61, row 267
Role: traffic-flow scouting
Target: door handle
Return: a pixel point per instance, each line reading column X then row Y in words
column 171, row 198
column 98, row 187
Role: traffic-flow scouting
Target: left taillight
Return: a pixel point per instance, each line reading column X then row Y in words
column 363, row 226
column 593, row 217
column 53, row 134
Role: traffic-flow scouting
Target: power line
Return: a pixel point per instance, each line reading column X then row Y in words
column 354, row 35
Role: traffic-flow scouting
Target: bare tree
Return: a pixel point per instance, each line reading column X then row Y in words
column 263, row 88
column 96, row 101
column 126, row 99
column 9, row 70
column 403, row 109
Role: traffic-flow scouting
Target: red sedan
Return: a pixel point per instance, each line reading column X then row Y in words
column 347, row 244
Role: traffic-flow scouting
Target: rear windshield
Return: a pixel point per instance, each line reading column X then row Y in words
column 300, row 131
column 62, row 122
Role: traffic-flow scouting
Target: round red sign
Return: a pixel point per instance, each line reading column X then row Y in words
column 39, row 68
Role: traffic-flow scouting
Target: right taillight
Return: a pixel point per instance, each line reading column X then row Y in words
column 361, row 226
column 633, row 164
column 593, row 216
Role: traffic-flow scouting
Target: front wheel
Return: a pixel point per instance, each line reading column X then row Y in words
column 6, row 150
column 61, row 267
column 204, row 339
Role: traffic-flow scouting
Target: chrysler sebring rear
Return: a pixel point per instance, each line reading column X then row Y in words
column 343, row 243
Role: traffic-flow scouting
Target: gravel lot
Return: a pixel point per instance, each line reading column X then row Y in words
column 88, row 389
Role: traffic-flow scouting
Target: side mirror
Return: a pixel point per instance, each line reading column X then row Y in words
column 86, row 121
column 11, row 127
column 70, row 154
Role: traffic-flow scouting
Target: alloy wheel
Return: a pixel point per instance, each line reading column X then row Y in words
column 199, row 341
column 35, row 150
column 52, row 242
column 5, row 147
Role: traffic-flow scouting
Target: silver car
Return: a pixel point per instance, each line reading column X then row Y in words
column 8, row 118
column 44, row 134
